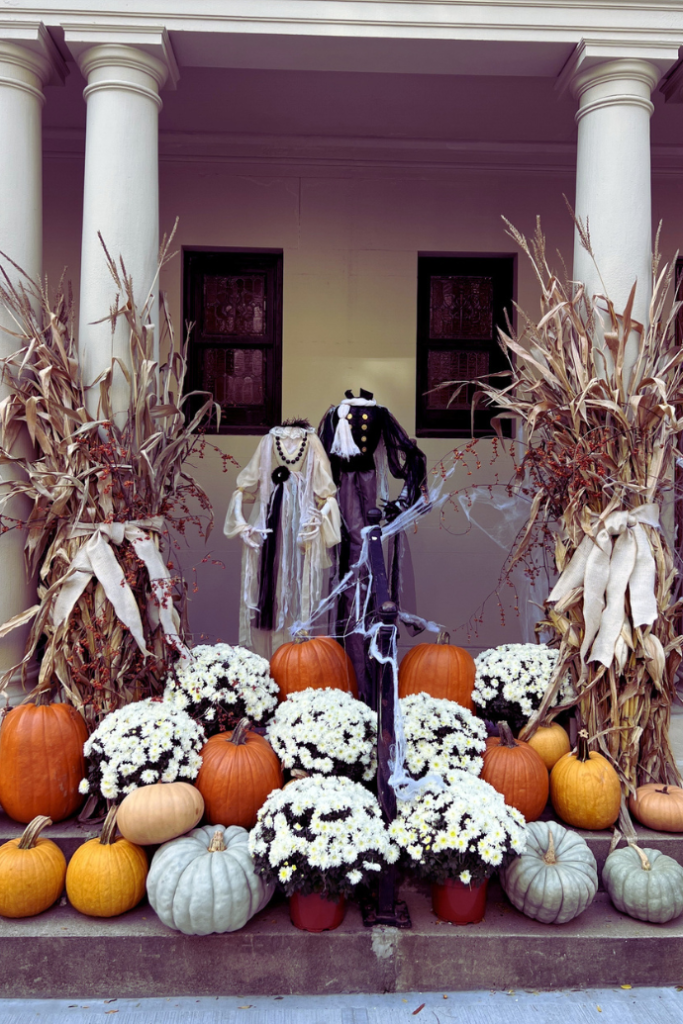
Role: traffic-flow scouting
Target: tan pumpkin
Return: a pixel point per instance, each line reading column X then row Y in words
column 585, row 789
column 439, row 670
column 239, row 770
column 41, row 761
column 658, row 806
column 550, row 742
column 517, row 771
column 154, row 814
column 106, row 876
column 312, row 662
column 32, row 871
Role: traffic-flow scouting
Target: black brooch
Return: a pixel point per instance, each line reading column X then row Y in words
column 280, row 474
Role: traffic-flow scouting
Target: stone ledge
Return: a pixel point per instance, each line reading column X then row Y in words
column 63, row 954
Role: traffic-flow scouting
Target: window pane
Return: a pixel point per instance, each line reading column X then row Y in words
column 461, row 308
column 453, row 365
column 235, row 306
column 235, row 376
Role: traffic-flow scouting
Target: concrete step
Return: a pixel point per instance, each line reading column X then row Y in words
column 62, row 954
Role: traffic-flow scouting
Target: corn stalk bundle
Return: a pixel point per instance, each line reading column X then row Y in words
column 602, row 438
column 84, row 476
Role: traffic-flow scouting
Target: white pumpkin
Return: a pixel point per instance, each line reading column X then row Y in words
column 645, row 884
column 205, row 882
column 555, row 878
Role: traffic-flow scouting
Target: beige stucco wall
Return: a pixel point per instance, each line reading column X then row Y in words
column 350, row 245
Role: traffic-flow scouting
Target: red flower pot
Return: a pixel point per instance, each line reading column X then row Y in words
column 314, row 913
column 459, row 903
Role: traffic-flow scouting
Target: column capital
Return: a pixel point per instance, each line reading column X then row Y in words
column 605, row 62
column 142, row 49
column 29, row 46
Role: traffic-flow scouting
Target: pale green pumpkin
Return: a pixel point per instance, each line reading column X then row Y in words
column 644, row 884
column 556, row 877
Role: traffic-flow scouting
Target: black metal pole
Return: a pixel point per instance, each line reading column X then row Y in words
column 388, row 910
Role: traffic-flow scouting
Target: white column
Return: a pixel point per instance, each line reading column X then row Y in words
column 121, row 194
column 613, row 192
column 24, row 70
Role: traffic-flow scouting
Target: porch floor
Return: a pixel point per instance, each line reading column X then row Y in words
column 64, row 954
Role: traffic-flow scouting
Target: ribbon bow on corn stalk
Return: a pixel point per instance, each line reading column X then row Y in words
column 98, row 498
column 601, row 399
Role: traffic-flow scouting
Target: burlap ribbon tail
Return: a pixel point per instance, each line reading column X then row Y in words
column 606, row 568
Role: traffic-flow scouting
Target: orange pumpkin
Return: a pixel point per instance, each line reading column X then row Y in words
column 32, row 872
column 551, row 742
column 517, row 771
column 439, row 670
column 106, row 876
column 585, row 789
column 41, row 761
column 657, row 806
column 239, row 769
column 312, row 663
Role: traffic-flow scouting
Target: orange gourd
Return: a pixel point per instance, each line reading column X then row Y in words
column 41, row 761
column 585, row 789
column 312, row 663
column 239, row 770
column 106, row 876
column 515, row 769
column 439, row 670
column 658, row 806
column 551, row 742
column 32, row 871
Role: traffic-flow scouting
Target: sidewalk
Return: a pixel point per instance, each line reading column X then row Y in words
column 599, row 1006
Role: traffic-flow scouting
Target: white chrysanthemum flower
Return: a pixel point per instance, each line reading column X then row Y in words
column 441, row 736
column 330, row 828
column 325, row 731
column 223, row 684
column 511, row 681
column 139, row 744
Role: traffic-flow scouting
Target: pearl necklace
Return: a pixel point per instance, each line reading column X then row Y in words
column 297, row 457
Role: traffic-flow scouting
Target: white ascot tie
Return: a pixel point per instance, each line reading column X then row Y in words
column 343, row 443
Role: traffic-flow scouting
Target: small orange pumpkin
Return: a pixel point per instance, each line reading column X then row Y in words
column 32, row 872
column 515, row 769
column 239, row 770
column 312, row 662
column 106, row 876
column 439, row 670
column 585, row 789
column 551, row 742
column 41, row 761
column 657, row 806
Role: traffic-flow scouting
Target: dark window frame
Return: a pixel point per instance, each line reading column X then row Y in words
column 197, row 261
column 502, row 268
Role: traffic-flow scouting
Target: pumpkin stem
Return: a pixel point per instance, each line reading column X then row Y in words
column 301, row 636
column 665, row 790
column 239, row 733
column 32, row 831
column 506, row 737
column 217, row 845
column 644, row 862
column 582, row 753
column 443, row 637
column 109, row 827
column 549, row 856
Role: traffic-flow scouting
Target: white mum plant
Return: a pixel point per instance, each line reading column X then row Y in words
column 326, row 732
column 441, row 737
column 222, row 685
column 321, row 835
column 139, row 744
column 512, row 679
column 464, row 832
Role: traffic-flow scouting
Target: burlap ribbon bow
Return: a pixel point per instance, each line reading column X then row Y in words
column 605, row 569
column 96, row 558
